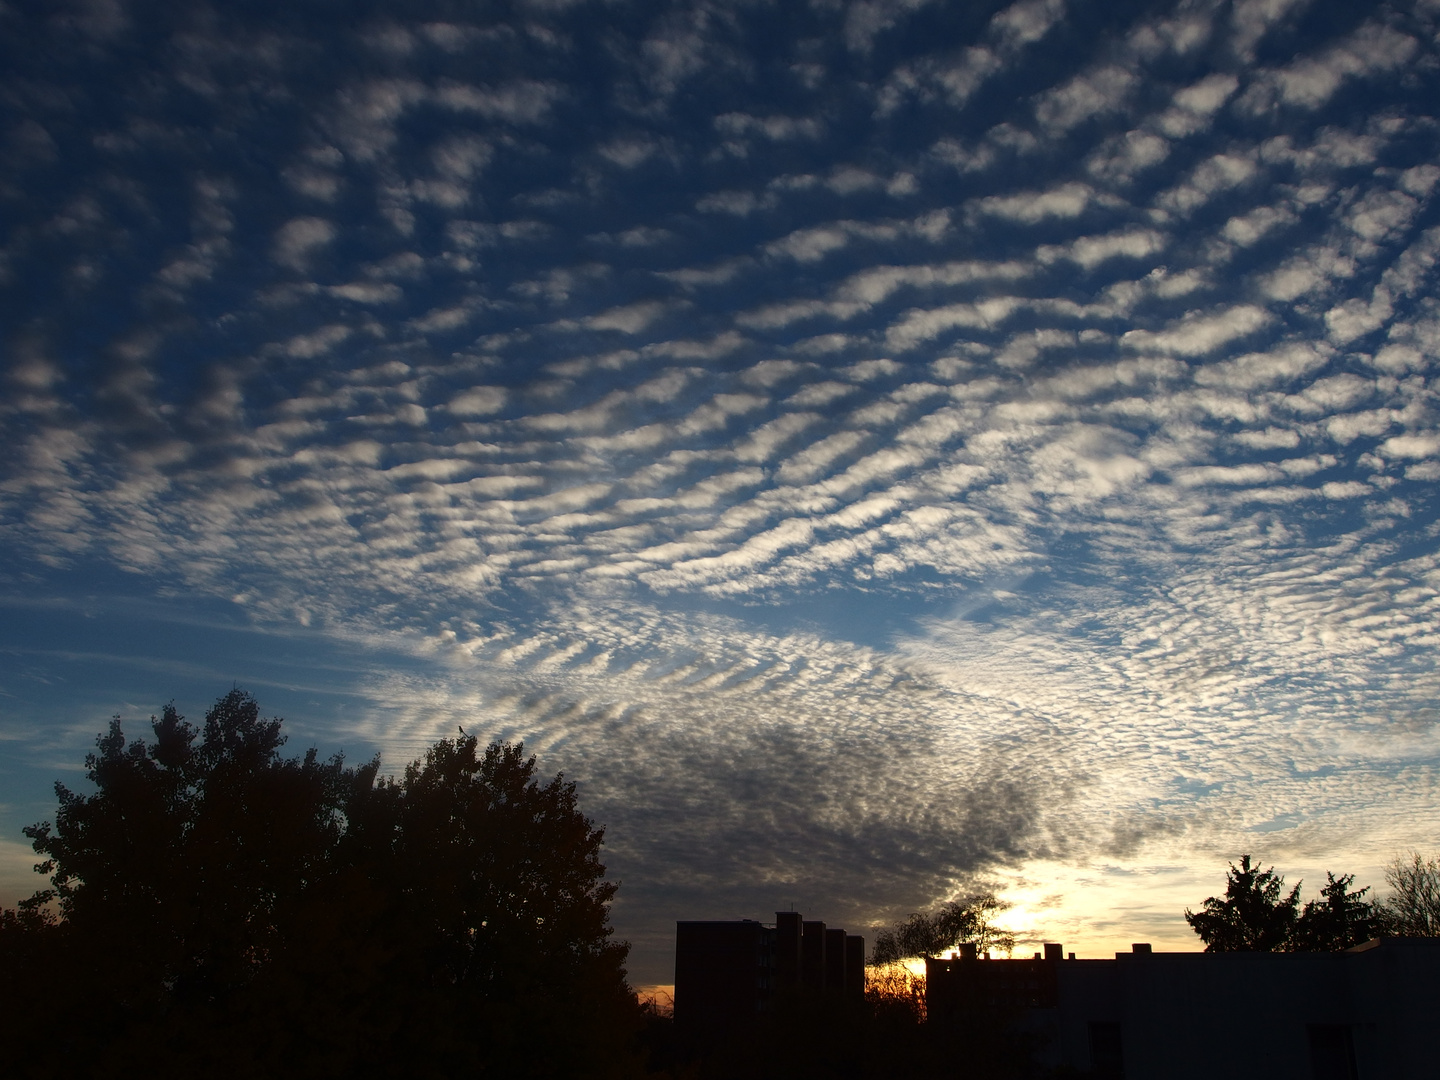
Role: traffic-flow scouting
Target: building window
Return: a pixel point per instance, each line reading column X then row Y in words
column 1332, row 1052
column 1106, row 1058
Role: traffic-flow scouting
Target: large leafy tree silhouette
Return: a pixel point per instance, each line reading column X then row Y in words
column 220, row 908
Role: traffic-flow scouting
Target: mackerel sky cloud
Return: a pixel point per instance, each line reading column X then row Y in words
column 874, row 448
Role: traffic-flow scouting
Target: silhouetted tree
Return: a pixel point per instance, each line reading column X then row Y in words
column 227, row 911
column 498, row 909
column 32, row 981
column 1252, row 917
column 967, row 920
column 1338, row 920
column 1413, row 907
column 178, row 869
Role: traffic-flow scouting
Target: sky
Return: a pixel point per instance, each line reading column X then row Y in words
column 877, row 449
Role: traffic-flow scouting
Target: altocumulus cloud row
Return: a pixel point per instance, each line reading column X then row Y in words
column 1117, row 331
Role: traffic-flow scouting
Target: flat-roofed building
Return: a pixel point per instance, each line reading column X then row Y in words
column 1368, row 1012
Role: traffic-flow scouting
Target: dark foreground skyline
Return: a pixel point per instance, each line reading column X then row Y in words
column 868, row 447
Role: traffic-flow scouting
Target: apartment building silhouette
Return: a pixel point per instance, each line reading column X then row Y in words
column 728, row 973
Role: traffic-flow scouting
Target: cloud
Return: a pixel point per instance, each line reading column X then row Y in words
column 1308, row 271
column 321, row 341
column 957, row 77
column 1311, row 81
column 1380, row 215
column 879, row 283
column 678, row 48
column 524, row 101
column 1249, row 228
column 367, row 292
column 1121, row 159
column 629, row 153
column 1252, row 19
column 1025, row 22
column 1086, row 97
column 461, row 157
column 1218, row 173
column 819, row 456
column 1420, row 180
column 867, row 19
column 694, row 277
column 1356, row 318
column 739, row 203
column 921, row 325
column 775, row 316
column 1255, row 371
column 809, row 245
column 814, row 243
column 298, row 239
column 1194, row 106
column 1091, row 251
column 478, row 401
column 472, row 235
column 1412, row 446
column 956, row 80
column 1197, row 334
column 766, row 441
column 363, row 115
column 774, row 128
column 628, row 318
column 1067, row 200
column 441, row 319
